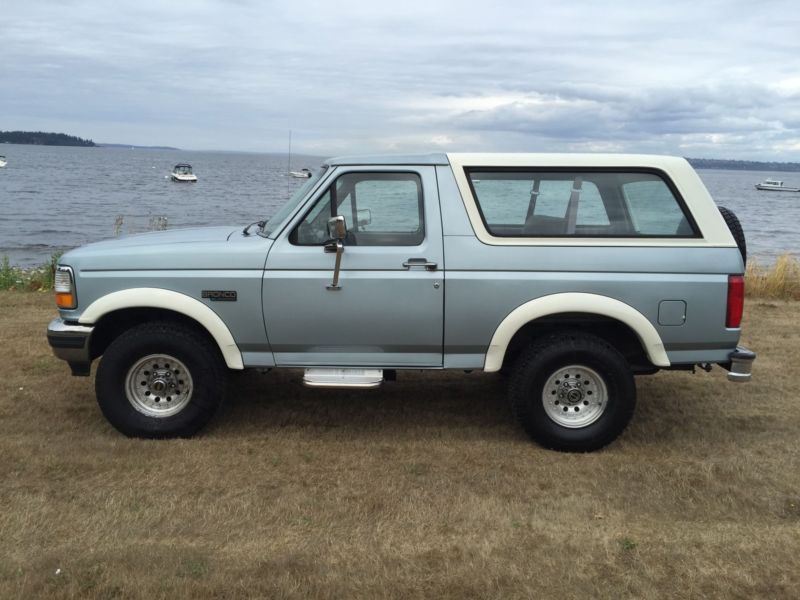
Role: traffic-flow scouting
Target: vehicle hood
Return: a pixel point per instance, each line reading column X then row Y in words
column 191, row 248
column 169, row 236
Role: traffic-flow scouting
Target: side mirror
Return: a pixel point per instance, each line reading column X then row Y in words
column 337, row 228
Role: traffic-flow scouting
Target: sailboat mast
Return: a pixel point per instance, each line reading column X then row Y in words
column 290, row 150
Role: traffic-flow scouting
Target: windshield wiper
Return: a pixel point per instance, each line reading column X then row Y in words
column 246, row 230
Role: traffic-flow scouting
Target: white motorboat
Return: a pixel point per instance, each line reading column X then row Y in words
column 302, row 173
column 3, row 161
column 774, row 185
column 183, row 172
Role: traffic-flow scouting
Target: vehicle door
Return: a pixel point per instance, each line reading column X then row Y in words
column 385, row 308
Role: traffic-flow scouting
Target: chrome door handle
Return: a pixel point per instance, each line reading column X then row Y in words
column 420, row 262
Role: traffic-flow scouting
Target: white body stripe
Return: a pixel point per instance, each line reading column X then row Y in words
column 575, row 302
column 169, row 300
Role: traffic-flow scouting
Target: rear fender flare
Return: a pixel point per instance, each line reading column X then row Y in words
column 575, row 302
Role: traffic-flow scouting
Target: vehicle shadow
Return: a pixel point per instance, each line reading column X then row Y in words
column 673, row 409
column 417, row 404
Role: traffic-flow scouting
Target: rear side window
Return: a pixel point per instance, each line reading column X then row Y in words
column 533, row 203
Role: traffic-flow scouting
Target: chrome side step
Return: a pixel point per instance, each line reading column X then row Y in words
column 343, row 378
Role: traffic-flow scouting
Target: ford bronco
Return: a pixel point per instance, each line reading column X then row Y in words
column 569, row 274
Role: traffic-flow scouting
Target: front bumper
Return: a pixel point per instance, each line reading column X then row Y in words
column 70, row 342
column 740, row 367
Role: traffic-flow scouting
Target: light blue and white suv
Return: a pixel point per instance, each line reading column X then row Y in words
column 570, row 273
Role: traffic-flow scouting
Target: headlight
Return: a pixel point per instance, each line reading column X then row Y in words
column 64, row 286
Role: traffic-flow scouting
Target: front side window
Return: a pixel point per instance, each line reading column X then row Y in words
column 533, row 203
column 380, row 209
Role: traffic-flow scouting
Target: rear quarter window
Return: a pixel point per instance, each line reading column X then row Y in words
column 653, row 209
column 591, row 203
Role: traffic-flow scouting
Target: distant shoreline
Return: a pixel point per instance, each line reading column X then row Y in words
column 43, row 138
column 743, row 165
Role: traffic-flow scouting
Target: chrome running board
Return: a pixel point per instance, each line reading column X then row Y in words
column 343, row 378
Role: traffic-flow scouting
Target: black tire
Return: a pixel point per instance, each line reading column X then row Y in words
column 176, row 356
column 536, row 380
column 735, row 227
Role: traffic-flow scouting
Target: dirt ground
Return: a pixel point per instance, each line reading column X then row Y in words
column 425, row 487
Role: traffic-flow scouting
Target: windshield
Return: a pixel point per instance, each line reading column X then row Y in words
column 279, row 217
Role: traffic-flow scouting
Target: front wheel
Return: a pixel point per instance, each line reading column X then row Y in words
column 160, row 380
column 572, row 392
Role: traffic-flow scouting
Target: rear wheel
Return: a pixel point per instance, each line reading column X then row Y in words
column 572, row 392
column 160, row 380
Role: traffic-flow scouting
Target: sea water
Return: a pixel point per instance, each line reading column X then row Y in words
column 56, row 198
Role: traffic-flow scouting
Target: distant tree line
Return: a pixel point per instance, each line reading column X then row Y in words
column 41, row 138
column 742, row 165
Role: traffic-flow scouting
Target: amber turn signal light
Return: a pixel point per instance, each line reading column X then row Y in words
column 65, row 300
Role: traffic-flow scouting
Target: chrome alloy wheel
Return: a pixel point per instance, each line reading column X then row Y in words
column 574, row 396
column 158, row 385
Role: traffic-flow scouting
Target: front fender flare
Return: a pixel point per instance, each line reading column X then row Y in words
column 575, row 302
column 169, row 300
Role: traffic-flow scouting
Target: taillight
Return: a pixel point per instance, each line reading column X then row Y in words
column 733, row 318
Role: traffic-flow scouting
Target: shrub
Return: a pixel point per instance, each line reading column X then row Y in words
column 781, row 280
column 36, row 278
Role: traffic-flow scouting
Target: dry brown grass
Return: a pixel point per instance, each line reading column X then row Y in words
column 424, row 488
column 780, row 280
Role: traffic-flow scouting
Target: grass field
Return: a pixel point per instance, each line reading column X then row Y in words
column 423, row 488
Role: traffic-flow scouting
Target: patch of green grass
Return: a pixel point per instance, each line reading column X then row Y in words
column 193, row 567
column 418, row 469
column 33, row 279
column 8, row 275
column 791, row 508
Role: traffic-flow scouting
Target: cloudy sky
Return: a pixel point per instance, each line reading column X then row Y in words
column 716, row 79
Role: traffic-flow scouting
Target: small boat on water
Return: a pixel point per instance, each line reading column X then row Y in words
column 774, row 185
column 301, row 174
column 3, row 161
column 183, row 172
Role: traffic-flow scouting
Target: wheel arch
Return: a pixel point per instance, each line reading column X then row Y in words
column 599, row 309
column 113, row 313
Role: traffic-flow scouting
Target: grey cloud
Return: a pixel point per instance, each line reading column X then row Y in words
column 357, row 76
column 633, row 118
